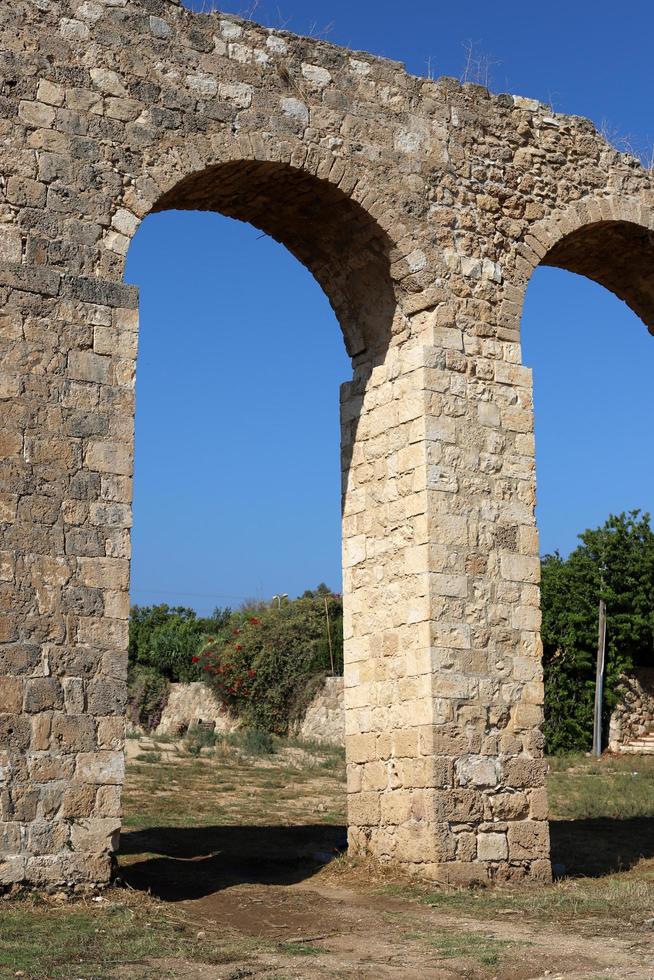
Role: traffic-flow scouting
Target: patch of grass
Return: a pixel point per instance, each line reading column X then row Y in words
column 197, row 739
column 619, row 787
column 616, row 897
column 149, row 757
column 45, row 940
column 252, row 741
column 479, row 946
column 300, row 949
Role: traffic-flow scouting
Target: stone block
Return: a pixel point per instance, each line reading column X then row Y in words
column 104, row 573
column 11, row 695
column 528, row 840
column 523, row 772
column 12, row 870
column 111, row 732
column 78, row 801
column 459, row 806
column 492, row 847
column 43, row 694
column 19, row 803
column 45, row 767
column 73, row 733
column 364, row 809
column 48, row 836
column 106, row 696
column 85, row 365
column 11, row 244
column 109, row 457
column 101, row 768
column 478, row 771
column 15, row 731
column 95, row 835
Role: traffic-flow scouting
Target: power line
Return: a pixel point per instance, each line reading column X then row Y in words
column 189, row 595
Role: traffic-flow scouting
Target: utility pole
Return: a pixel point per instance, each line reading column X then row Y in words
column 599, row 681
column 329, row 636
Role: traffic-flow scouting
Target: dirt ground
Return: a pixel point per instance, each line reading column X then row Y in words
column 234, row 866
column 276, row 882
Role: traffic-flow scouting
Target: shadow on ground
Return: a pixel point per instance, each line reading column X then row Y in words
column 600, row 846
column 182, row 863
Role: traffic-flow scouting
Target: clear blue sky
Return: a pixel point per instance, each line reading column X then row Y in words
column 237, row 489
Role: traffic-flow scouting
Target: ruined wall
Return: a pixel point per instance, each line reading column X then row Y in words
column 421, row 207
column 188, row 704
column 324, row 719
column 633, row 715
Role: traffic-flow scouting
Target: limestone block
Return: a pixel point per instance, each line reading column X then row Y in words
column 95, row 835
column 11, row 695
column 43, row 693
column 100, row 768
column 528, row 839
column 492, row 847
column 477, row 771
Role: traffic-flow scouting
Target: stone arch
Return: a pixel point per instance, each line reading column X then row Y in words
column 327, row 213
column 325, row 229
column 609, row 240
column 407, row 199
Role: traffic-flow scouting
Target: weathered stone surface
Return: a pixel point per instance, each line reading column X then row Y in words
column 324, row 719
column 632, row 719
column 422, row 208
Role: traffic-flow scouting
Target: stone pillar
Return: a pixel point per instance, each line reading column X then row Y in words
column 443, row 675
column 66, row 445
column 392, row 773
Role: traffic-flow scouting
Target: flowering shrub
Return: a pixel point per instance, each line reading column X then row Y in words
column 266, row 667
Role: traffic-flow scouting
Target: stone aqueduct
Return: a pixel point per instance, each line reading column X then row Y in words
column 422, row 208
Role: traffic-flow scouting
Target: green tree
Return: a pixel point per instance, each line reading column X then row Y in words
column 164, row 643
column 614, row 562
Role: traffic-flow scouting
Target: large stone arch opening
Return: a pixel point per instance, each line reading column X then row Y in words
column 345, row 249
column 618, row 255
column 609, row 242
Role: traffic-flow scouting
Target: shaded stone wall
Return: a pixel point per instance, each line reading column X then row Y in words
column 324, row 719
column 633, row 715
column 188, row 704
column 421, row 207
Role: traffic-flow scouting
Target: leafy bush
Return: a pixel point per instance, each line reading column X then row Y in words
column 252, row 741
column 166, row 639
column 147, row 697
column 264, row 668
column 198, row 738
column 614, row 562
column 162, row 644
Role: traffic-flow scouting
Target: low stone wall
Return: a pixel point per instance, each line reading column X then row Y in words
column 189, row 704
column 324, row 720
column 633, row 716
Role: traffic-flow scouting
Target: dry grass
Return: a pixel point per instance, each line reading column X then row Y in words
column 220, row 812
column 43, row 937
column 618, row 787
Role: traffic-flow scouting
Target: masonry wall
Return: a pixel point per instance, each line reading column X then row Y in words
column 421, row 207
column 633, row 715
